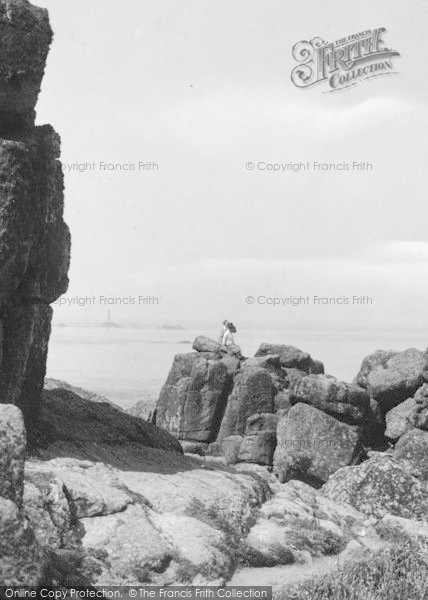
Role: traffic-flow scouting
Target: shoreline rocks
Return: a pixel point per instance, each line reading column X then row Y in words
column 110, row 499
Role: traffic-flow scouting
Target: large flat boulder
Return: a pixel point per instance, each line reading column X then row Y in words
column 253, row 393
column 12, row 453
column 345, row 401
column 391, row 377
column 378, row 487
column 292, row 357
column 312, row 445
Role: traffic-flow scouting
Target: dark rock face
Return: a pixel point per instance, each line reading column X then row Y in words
column 391, row 377
column 419, row 416
column 377, row 487
column 312, row 445
column 34, row 240
column 411, row 451
column 253, row 393
column 34, row 258
column 347, row 402
column 192, row 402
column 206, row 396
column 25, row 36
column 76, row 426
column 292, row 358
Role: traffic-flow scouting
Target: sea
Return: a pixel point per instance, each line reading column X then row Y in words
column 129, row 365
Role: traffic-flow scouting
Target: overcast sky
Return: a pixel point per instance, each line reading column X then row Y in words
column 201, row 88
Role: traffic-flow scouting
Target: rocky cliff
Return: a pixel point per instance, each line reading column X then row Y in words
column 279, row 408
column 34, row 240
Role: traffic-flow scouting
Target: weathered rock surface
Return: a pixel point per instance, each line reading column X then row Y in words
column 259, row 441
column 132, row 549
column 47, row 508
column 378, row 487
column 252, row 393
column 399, row 419
column 202, row 550
column 22, row 561
column 411, row 451
column 193, row 400
column 391, row 377
column 94, row 489
column 12, row 453
column 292, row 358
column 312, row 445
column 297, row 521
column 347, row 402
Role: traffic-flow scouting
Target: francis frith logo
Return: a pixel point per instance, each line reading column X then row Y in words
column 342, row 63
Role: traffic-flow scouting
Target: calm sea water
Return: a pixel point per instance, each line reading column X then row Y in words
column 128, row 365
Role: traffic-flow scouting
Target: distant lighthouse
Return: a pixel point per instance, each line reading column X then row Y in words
column 109, row 322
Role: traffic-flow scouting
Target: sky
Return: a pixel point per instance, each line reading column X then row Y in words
column 201, row 88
